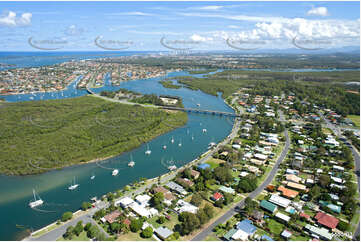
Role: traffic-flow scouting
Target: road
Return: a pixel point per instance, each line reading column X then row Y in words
column 204, row 233
column 59, row 231
column 356, row 156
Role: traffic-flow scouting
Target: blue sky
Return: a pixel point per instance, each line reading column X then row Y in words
column 195, row 25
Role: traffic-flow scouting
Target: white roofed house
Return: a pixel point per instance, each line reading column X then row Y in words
column 283, row 202
column 183, row 206
column 124, row 202
column 143, row 200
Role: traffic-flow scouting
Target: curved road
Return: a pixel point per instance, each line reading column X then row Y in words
column 205, row 232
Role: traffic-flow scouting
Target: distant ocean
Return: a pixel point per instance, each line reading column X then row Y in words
column 9, row 60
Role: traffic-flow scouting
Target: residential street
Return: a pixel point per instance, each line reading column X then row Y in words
column 205, row 232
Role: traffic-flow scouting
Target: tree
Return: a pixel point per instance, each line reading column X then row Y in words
column 136, row 225
column 209, row 210
column 87, row 226
column 86, row 205
column 147, row 232
column 69, row 233
column 66, row 216
column 324, row 181
column 78, row 228
column 202, row 216
column 161, row 220
column 228, row 198
column 115, row 227
column 196, row 199
column 315, row 192
column 157, row 201
column 223, row 174
column 343, row 226
column 189, row 223
column 92, row 232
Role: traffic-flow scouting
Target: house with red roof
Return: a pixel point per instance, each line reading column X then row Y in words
column 326, row 220
column 216, row 196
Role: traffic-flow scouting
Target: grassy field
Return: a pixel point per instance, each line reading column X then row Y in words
column 355, row 119
column 42, row 135
column 169, row 84
column 275, row 227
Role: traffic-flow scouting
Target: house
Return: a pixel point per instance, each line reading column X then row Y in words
column 266, row 238
column 163, row 232
column 268, row 206
column 297, row 186
column 229, row 234
column 195, row 174
column 333, row 207
column 124, row 202
column 286, row 234
column 203, row 166
column 287, row 192
column 282, row 217
column 216, row 196
column 245, row 229
column 168, row 196
column 184, row 182
column 252, row 169
column 142, row 211
column 227, row 190
column 320, row 233
column 283, row 202
column 326, row 220
column 177, row 188
column 257, row 162
column 111, row 218
column 260, row 156
column 293, row 178
column 183, row 206
column 305, row 215
column 143, row 200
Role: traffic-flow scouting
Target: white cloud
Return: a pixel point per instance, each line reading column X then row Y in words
column 11, row 19
column 211, row 7
column 136, row 13
column 197, row 37
column 320, row 11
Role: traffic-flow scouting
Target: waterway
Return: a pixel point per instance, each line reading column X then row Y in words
column 16, row 192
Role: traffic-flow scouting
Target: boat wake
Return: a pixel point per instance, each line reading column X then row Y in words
column 43, row 211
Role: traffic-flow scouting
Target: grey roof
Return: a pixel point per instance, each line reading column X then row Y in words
column 174, row 186
column 163, row 232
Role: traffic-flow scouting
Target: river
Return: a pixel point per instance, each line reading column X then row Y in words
column 16, row 192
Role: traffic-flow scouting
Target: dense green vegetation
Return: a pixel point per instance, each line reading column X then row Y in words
column 169, row 84
column 202, row 71
column 321, row 88
column 41, row 135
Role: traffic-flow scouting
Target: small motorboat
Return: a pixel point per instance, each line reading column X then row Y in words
column 115, row 172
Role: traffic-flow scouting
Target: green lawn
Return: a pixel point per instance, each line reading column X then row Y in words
column 82, row 237
column 275, row 227
column 214, row 163
column 299, row 238
column 168, row 223
column 133, row 237
column 355, row 119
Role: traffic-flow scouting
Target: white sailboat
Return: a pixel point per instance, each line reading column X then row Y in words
column 115, row 172
column 172, row 140
column 204, row 130
column 131, row 163
column 73, row 186
column 164, row 147
column 92, row 177
column 36, row 202
column 180, row 143
column 148, row 151
column 192, row 137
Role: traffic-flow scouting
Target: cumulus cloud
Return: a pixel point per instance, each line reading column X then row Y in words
column 11, row 19
column 320, row 11
column 197, row 37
